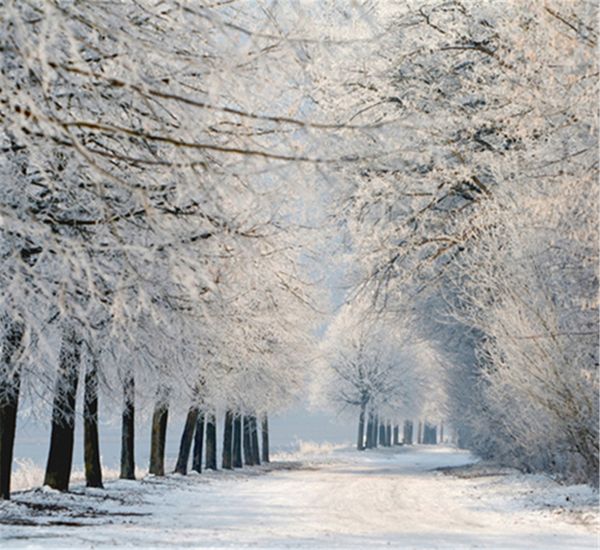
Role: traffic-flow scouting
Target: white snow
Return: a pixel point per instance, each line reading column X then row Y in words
column 320, row 497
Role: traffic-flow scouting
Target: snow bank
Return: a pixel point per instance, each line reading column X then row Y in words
column 29, row 475
column 310, row 452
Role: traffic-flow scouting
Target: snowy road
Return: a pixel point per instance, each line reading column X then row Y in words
column 341, row 500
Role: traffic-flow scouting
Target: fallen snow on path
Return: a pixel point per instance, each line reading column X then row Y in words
column 318, row 498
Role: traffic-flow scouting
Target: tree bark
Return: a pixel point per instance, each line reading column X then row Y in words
column 248, row 457
column 370, row 423
column 91, row 444
column 407, row 437
column 388, row 434
column 60, row 455
column 211, row 442
column 198, row 443
column 237, row 442
column 10, row 385
column 128, row 429
column 360, row 442
column 429, row 434
column 227, row 456
column 265, row 438
column 158, row 438
column 396, row 436
column 420, row 433
column 382, row 435
column 185, row 445
column 254, row 440
column 442, row 432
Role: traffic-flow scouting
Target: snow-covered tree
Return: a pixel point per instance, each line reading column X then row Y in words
column 132, row 168
column 375, row 365
column 483, row 220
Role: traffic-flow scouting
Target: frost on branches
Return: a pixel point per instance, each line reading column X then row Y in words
column 380, row 368
column 174, row 177
column 484, row 220
column 148, row 247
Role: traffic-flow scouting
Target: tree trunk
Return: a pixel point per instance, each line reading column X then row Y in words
column 237, row 441
column 91, row 444
column 254, row 440
column 159, row 436
column 382, row 436
column 185, row 445
column 248, row 457
column 376, row 441
column 265, row 438
column 429, row 434
column 211, row 442
column 227, row 457
column 369, row 444
column 420, row 433
column 360, row 442
column 10, row 385
column 198, row 443
column 388, row 434
column 408, row 432
column 128, row 429
column 396, row 436
column 60, row 456
column 442, row 432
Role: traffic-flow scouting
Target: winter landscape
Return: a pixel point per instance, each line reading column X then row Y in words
column 299, row 274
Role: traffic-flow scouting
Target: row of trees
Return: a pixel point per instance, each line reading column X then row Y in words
column 240, row 443
column 388, row 433
column 160, row 178
column 151, row 245
column 374, row 364
column 481, row 227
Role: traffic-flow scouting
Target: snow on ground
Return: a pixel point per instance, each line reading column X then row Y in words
column 319, row 497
